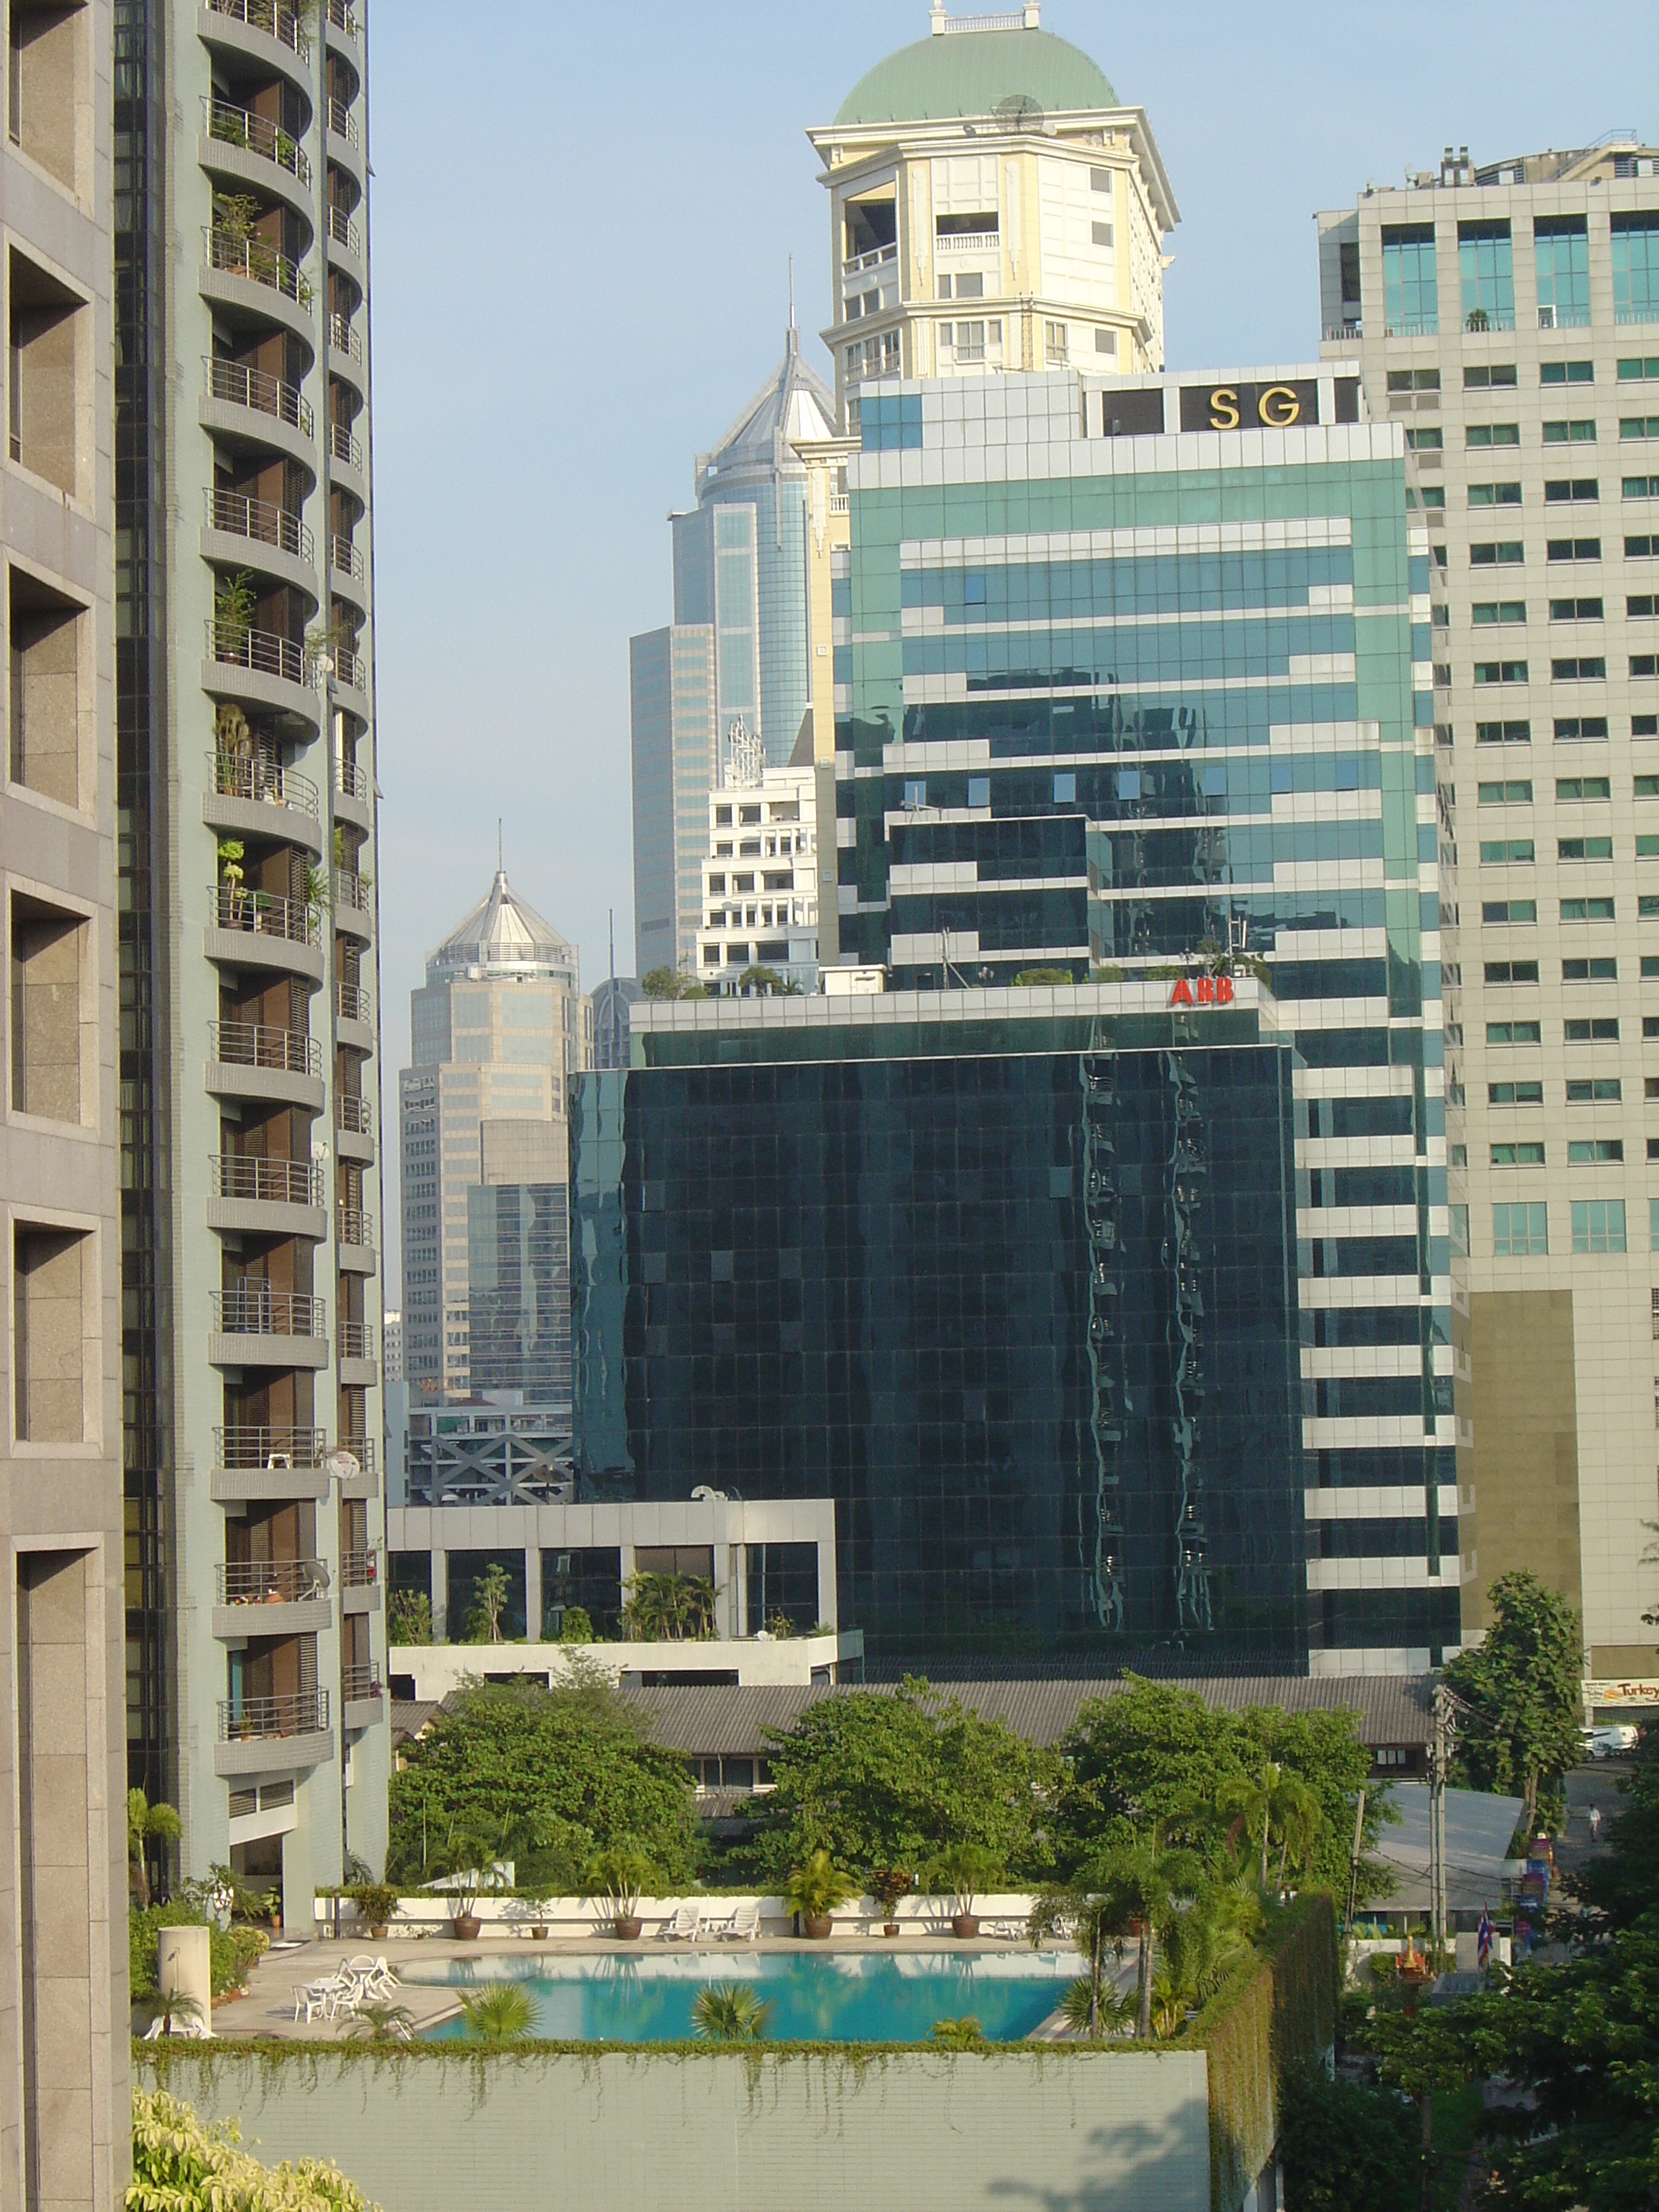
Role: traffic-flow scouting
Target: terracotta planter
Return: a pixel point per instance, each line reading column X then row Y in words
column 889, row 1928
column 537, row 1934
column 627, row 1931
column 379, row 1933
column 465, row 1926
column 816, row 1926
column 964, row 1923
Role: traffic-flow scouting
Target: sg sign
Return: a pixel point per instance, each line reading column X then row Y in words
column 1249, row 406
column 1203, row 991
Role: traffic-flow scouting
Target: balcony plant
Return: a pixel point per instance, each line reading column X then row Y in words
column 887, row 1885
column 376, row 1903
column 234, row 606
column 467, row 1868
column 813, row 1891
column 964, row 1870
column 617, row 1875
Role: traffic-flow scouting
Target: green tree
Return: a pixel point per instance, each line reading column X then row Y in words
column 669, row 983
column 885, row 1779
column 1522, row 1691
column 966, row 2034
column 668, row 1608
column 1344, row 2148
column 491, row 1594
column 570, row 1769
column 1616, row 1886
column 1098, row 1924
column 1273, row 1801
column 1034, row 978
column 408, row 1617
column 576, row 1624
column 768, row 983
column 501, row 2012
column 147, row 1823
column 182, row 2164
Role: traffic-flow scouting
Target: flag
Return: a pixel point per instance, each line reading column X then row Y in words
column 1482, row 1939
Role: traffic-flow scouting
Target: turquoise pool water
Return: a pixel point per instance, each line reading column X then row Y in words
column 815, row 1996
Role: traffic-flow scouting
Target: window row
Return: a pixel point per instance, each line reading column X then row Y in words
column 1486, row 273
column 1599, row 970
column 1571, row 668
column 1638, row 606
column 1520, row 1231
column 1511, row 552
column 1503, row 376
column 1567, row 730
column 1558, row 431
column 1511, row 852
column 1518, row 789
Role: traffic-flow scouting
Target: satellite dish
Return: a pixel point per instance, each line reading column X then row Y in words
column 344, row 1466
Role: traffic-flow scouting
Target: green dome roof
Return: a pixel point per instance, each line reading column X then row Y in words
column 973, row 73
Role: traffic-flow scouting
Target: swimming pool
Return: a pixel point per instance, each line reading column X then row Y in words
column 815, row 1996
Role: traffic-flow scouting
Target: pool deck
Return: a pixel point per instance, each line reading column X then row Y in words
column 267, row 2010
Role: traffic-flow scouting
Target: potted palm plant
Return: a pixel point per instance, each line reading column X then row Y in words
column 376, row 1902
column 963, row 1871
column 617, row 1874
column 887, row 1885
column 812, row 1892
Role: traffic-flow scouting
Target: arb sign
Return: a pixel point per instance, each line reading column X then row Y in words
column 1203, row 991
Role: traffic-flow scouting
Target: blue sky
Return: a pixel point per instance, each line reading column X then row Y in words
column 582, row 220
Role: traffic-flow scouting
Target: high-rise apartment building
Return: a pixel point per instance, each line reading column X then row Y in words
column 994, row 206
column 737, row 656
column 1507, row 317
column 496, row 1031
column 759, row 887
column 63, row 2064
column 245, row 725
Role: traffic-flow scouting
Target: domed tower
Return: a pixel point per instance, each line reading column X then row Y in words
column 994, row 205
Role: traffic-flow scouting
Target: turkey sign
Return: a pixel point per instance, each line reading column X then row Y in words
column 1203, row 991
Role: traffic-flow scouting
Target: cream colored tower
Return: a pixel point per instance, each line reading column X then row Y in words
column 994, row 207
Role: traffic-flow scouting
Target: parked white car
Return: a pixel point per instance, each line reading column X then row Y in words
column 1611, row 1741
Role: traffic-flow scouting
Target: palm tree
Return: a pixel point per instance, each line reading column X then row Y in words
column 1139, row 1884
column 1087, row 2010
column 502, row 2013
column 1272, row 1800
column 383, row 2023
column 147, row 1823
column 967, row 2033
column 1098, row 1927
column 726, row 2012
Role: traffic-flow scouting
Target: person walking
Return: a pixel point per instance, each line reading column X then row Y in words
column 1595, row 1824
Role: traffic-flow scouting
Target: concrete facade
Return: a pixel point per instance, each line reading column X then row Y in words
column 63, row 2049
column 248, row 757
column 1507, row 317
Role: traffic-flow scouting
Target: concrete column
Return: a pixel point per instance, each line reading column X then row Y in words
column 826, row 1586
column 440, row 1595
column 185, row 1969
column 737, row 1579
column 532, row 1592
column 299, row 1885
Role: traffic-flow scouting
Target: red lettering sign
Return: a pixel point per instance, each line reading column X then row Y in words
column 1181, row 995
column 1203, row 991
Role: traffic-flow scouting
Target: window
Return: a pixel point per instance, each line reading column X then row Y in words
column 1065, row 787
column 979, row 791
column 1589, row 669
column 1411, row 295
column 1581, row 432
column 1490, row 376
column 1644, row 664
column 1499, row 610
column 45, row 331
column 1647, row 848
column 1430, row 496
column 1511, row 971
column 1594, row 1151
column 1574, row 609
column 1567, row 372
column 1641, row 607
column 47, row 635
column 49, row 1335
column 1636, row 267
column 1512, row 793
column 1054, row 344
column 1602, row 1030
column 1514, row 1094
column 1589, row 971
column 1503, row 733
column 1518, row 1156
column 1101, row 232
column 1641, row 487
column 1100, row 180
column 1507, row 553
column 1594, row 1091
column 48, row 954
column 1493, row 433
column 1495, row 495
column 1638, row 426
column 1414, row 379
column 915, row 791
column 1586, row 910
column 1424, row 441
column 1638, row 371
column 1647, row 786
column 1564, row 491
column 1573, row 548
column 1505, row 851
column 1644, row 725
column 1583, row 848
column 1518, row 1231
column 1598, row 1225
column 1500, row 672
column 1561, row 250
column 1508, row 910
column 1485, row 268
column 1513, row 1033
column 1581, row 726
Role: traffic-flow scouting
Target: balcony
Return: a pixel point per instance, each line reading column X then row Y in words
column 359, row 1569
column 353, row 1239
column 1489, row 319
column 344, row 18
column 229, row 126
column 267, row 1182
column 261, row 523
column 262, row 1736
column 1564, row 316
column 344, row 558
column 875, row 258
column 341, row 123
column 354, row 911
column 345, row 341
column 344, row 447
column 351, row 781
column 353, row 1129
column 254, row 1464
column 265, row 395
column 260, row 781
column 252, row 259
column 361, row 1693
column 277, row 21
column 266, row 914
column 353, row 1002
column 1414, row 326
column 262, row 651
column 342, row 231
column 967, row 241
column 253, row 1309
column 354, row 1340
column 252, row 1059
column 270, row 1582
column 1336, row 333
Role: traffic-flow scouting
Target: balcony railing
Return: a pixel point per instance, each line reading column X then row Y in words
column 257, row 519
column 1347, row 328
column 358, row 1684
column 342, row 122
column 874, row 259
column 354, row 1340
column 1490, row 318
column 343, row 230
column 354, row 1226
column 344, row 447
column 1644, row 311
column 261, row 650
column 1564, row 317
column 271, row 1581
column 341, row 338
column 267, row 15
column 352, row 1002
column 841, row 502
column 305, row 1713
column 349, row 667
column 236, row 126
column 270, row 1183
column 251, row 1450
column 355, row 1115
column 351, row 891
column 344, row 557
column 967, row 241
column 258, row 263
column 254, row 777
column 266, row 395
column 359, row 1569
column 351, row 780
column 1414, row 326
column 361, row 1450
column 256, row 1044
column 342, row 17
column 251, row 1309
column 267, row 913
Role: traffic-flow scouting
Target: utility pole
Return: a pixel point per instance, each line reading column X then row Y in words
column 1446, row 1709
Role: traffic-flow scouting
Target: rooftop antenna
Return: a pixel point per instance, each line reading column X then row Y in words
column 792, row 291
column 501, row 865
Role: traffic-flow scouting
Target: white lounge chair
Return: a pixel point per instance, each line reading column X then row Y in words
column 685, row 1927
column 1007, row 1929
column 744, row 1926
